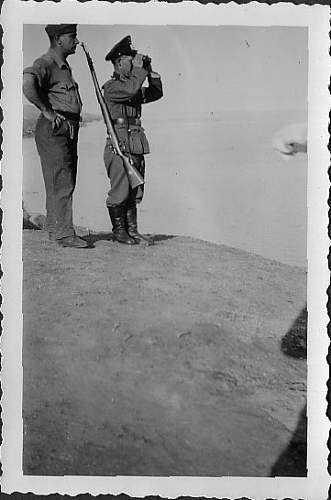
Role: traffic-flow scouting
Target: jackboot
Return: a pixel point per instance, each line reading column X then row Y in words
column 132, row 226
column 117, row 217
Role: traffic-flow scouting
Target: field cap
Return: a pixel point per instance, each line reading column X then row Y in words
column 122, row 48
column 60, row 29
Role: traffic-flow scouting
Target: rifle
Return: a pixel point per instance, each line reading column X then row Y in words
column 135, row 179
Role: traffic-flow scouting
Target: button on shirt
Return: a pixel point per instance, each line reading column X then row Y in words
column 58, row 88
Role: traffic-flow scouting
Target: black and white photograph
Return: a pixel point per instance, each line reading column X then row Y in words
column 169, row 198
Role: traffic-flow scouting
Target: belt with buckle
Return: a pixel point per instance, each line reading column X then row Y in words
column 129, row 121
column 75, row 117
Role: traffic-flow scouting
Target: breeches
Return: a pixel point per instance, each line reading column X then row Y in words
column 58, row 157
column 120, row 190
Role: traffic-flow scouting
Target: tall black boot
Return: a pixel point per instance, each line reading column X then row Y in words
column 132, row 226
column 117, row 217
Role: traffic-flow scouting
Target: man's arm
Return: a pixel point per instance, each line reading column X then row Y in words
column 31, row 90
column 154, row 90
column 123, row 90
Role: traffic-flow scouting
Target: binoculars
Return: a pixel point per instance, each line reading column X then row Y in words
column 147, row 60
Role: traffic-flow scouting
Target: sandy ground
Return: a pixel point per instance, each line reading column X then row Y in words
column 162, row 360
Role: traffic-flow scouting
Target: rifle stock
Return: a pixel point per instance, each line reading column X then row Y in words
column 134, row 177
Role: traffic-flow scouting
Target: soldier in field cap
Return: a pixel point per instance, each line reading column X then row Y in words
column 125, row 93
column 50, row 86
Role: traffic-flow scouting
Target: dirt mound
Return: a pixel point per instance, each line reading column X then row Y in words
column 162, row 360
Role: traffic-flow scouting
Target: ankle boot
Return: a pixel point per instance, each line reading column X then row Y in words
column 117, row 217
column 132, row 226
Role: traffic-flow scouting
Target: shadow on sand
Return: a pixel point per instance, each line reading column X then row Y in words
column 292, row 462
column 294, row 342
column 92, row 238
column 38, row 223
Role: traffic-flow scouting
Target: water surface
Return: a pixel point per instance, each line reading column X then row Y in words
column 211, row 176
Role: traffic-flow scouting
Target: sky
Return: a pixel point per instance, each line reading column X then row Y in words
column 203, row 68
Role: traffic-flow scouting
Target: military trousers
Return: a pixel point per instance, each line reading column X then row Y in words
column 120, row 190
column 58, row 158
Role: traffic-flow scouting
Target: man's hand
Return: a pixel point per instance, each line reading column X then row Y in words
column 53, row 117
column 291, row 139
column 138, row 60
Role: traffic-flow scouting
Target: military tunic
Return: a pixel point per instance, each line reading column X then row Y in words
column 125, row 96
column 58, row 148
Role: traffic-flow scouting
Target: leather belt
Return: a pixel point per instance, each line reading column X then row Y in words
column 69, row 116
column 129, row 121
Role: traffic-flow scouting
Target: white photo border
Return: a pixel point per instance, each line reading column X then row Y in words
column 316, row 17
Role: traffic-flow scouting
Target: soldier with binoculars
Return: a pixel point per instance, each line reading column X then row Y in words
column 124, row 94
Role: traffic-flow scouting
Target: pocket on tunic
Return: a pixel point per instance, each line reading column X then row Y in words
column 122, row 137
column 138, row 141
column 67, row 91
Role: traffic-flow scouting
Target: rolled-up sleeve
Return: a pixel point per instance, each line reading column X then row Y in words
column 40, row 70
column 122, row 90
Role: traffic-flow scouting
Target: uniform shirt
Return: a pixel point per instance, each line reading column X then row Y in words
column 58, row 88
column 124, row 96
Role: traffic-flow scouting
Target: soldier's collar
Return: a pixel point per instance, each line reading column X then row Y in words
column 61, row 64
column 117, row 76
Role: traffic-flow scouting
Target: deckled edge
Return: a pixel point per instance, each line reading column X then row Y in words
column 328, row 291
column 203, row 2
column 1, row 232
column 32, row 496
